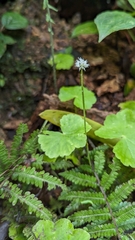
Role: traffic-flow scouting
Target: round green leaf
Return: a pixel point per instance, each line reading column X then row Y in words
column 111, row 21
column 73, row 124
column 128, row 105
column 3, row 48
column 13, row 21
column 121, row 126
column 84, row 28
column 63, row 229
column 68, row 93
column 62, row 61
column 56, row 144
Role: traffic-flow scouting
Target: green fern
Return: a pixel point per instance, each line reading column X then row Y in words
column 14, row 194
column 100, row 207
column 29, row 175
column 80, row 178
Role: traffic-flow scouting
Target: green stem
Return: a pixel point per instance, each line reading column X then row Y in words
column 83, row 101
column 52, row 48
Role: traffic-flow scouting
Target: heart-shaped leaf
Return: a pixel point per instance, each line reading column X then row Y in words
column 56, row 144
column 111, row 21
column 13, row 21
column 68, row 93
column 122, row 126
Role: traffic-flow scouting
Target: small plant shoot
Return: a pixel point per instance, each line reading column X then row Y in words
column 56, row 144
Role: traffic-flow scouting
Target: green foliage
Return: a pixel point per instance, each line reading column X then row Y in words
column 68, row 93
column 132, row 70
column 16, row 166
column 125, row 147
column 132, row 2
column 111, row 21
column 128, row 105
column 61, row 230
column 10, row 21
column 13, row 21
column 103, row 207
column 84, row 28
column 62, row 61
column 56, row 144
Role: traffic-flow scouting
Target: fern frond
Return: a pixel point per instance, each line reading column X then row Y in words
column 99, row 161
column 13, row 194
column 86, row 216
column 5, row 162
column 38, row 163
column 16, row 144
column 85, row 168
column 121, row 192
column 83, row 196
column 30, row 146
column 80, row 178
column 105, row 230
column 61, row 164
column 31, row 176
column 125, row 217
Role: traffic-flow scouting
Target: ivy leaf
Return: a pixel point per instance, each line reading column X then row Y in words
column 84, row 28
column 14, row 21
column 111, row 21
column 68, row 93
column 62, row 61
column 122, row 126
column 56, row 144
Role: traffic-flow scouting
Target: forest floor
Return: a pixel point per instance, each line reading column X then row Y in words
column 29, row 86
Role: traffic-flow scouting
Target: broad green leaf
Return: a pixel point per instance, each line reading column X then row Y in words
column 128, row 105
column 122, row 126
column 84, row 28
column 132, row 2
column 14, row 21
column 56, row 144
column 7, row 39
column 111, row 21
column 68, row 93
column 61, row 230
column 45, row 3
column 62, row 61
column 54, row 117
column 3, row 48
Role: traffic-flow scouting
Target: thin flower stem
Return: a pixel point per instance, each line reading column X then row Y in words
column 83, row 101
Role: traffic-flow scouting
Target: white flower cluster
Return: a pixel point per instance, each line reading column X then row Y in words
column 81, row 64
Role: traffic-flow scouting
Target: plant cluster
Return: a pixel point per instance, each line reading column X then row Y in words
column 96, row 183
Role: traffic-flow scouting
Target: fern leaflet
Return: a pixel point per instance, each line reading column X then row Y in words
column 31, row 176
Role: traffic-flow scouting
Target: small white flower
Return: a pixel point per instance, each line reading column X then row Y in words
column 81, row 64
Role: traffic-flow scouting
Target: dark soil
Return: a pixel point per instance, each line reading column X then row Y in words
column 29, row 85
